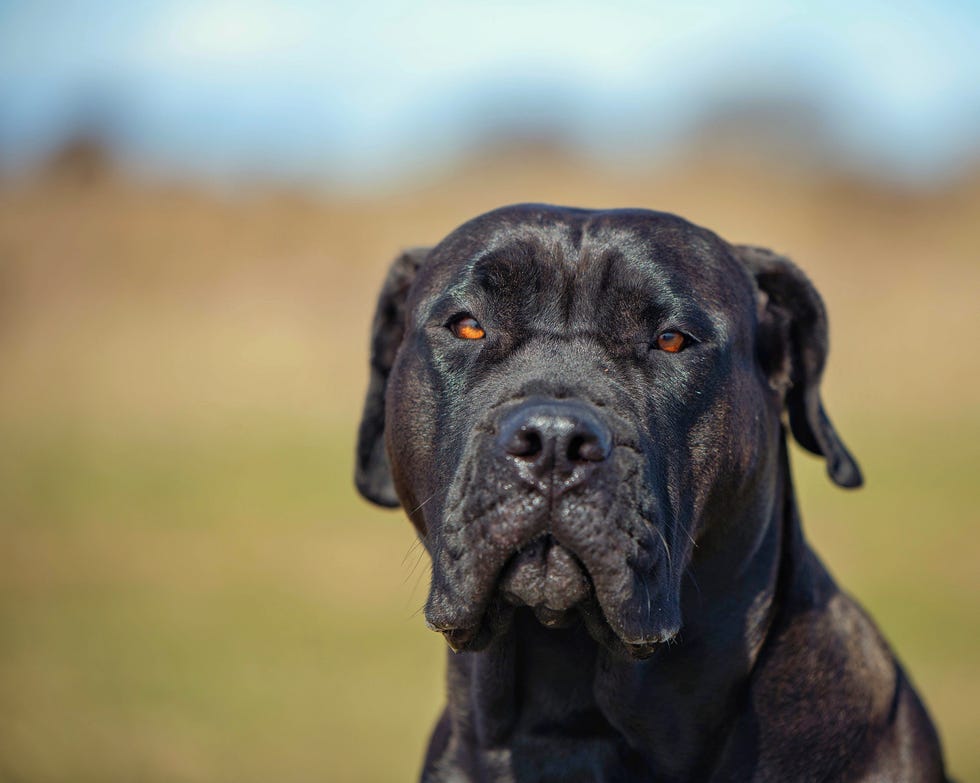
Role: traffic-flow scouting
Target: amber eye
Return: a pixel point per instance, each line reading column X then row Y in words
column 671, row 342
column 466, row 327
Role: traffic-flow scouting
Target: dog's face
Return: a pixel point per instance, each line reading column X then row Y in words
column 566, row 401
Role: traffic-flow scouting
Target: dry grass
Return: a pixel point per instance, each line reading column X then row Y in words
column 190, row 590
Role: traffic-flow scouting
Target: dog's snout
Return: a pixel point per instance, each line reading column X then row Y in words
column 559, row 436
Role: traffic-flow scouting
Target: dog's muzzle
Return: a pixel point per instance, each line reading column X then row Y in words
column 549, row 520
column 554, row 446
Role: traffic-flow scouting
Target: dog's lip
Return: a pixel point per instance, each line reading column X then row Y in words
column 470, row 613
column 554, row 618
column 475, row 635
column 554, row 580
column 458, row 639
column 545, row 576
column 644, row 648
column 602, row 631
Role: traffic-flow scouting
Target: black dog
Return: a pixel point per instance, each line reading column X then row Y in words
column 581, row 412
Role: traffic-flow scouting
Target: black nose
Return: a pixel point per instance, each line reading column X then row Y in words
column 564, row 437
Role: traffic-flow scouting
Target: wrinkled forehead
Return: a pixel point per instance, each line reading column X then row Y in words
column 560, row 259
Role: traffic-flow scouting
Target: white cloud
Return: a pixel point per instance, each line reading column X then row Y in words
column 224, row 34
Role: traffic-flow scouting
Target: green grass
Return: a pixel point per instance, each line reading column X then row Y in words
column 218, row 605
column 212, row 608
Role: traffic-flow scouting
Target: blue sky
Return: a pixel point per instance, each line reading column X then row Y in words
column 363, row 90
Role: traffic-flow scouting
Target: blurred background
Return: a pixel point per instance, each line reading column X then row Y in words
column 198, row 201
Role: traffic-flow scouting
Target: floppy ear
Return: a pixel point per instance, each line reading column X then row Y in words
column 373, row 473
column 793, row 348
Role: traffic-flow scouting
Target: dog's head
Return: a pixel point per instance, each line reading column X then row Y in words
column 565, row 402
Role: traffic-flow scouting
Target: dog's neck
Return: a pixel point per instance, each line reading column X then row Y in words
column 532, row 683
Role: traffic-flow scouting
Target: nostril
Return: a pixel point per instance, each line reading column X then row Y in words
column 524, row 443
column 587, row 448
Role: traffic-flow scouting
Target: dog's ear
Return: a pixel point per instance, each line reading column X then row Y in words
column 373, row 473
column 793, row 345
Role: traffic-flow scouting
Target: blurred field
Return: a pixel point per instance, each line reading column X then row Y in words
column 189, row 588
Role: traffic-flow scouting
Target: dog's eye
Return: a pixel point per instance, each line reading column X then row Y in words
column 671, row 342
column 466, row 327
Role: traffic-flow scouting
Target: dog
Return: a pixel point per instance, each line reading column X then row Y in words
column 584, row 415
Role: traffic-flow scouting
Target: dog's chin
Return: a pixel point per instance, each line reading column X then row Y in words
column 552, row 583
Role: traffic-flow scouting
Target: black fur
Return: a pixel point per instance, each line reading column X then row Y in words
column 616, row 551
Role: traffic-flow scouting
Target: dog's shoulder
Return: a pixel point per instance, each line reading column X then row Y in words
column 827, row 699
